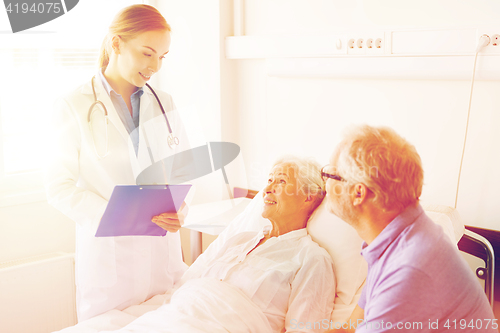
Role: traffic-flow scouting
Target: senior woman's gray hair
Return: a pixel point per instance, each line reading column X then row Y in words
column 308, row 173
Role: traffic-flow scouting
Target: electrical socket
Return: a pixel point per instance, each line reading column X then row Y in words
column 378, row 46
column 370, row 43
column 360, row 43
column 350, row 45
column 494, row 45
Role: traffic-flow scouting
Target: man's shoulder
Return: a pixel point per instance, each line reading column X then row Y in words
column 423, row 249
column 422, row 239
column 428, row 267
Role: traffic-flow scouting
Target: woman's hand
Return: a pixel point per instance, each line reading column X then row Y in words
column 171, row 222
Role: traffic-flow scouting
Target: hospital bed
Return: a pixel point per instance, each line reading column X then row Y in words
column 337, row 237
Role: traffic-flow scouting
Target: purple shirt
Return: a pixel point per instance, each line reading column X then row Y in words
column 418, row 281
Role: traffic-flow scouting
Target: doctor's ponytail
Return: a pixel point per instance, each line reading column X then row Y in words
column 128, row 24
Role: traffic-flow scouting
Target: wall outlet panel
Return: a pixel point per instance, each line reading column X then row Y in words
column 403, row 43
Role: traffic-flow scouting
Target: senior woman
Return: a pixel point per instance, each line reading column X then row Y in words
column 280, row 268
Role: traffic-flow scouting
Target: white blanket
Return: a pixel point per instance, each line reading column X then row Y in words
column 201, row 305
column 204, row 305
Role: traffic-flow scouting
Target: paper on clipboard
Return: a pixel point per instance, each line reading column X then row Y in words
column 131, row 208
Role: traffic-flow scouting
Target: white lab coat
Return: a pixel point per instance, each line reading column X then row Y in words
column 111, row 272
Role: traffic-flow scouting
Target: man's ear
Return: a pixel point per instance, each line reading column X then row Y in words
column 116, row 43
column 359, row 194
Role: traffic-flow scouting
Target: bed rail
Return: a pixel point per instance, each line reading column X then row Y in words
column 488, row 272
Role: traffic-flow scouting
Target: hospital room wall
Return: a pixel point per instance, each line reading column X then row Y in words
column 305, row 116
column 198, row 76
column 33, row 229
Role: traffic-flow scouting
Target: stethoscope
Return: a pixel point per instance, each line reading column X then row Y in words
column 171, row 139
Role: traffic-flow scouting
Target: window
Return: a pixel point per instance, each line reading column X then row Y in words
column 37, row 67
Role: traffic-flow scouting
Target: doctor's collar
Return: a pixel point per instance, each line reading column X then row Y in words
column 110, row 89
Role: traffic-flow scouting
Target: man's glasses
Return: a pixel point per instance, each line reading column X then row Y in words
column 326, row 175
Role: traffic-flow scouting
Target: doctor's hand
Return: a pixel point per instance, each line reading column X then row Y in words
column 171, row 222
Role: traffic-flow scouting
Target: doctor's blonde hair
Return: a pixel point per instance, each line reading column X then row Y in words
column 128, row 24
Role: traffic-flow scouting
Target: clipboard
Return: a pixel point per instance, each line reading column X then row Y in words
column 131, row 208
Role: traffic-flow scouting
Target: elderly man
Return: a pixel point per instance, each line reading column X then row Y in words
column 417, row 281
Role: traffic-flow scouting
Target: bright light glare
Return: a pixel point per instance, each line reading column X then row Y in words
column 28, row 96
column 38, row 68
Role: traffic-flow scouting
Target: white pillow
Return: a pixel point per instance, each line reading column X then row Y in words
column 344, row 246
column 448, row 218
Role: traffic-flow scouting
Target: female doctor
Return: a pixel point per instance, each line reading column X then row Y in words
column 93, row 155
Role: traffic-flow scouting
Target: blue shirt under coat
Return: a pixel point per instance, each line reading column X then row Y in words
column 131, row 123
